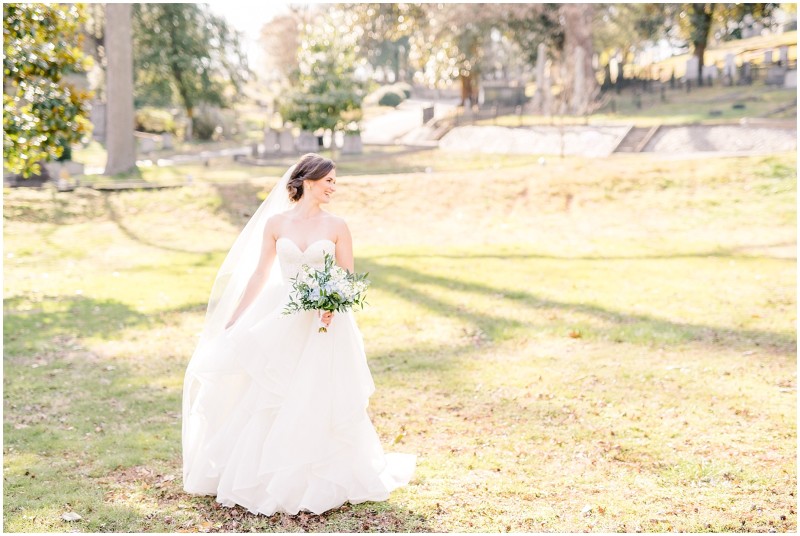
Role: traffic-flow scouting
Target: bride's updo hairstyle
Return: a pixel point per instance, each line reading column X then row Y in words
column 310, row 167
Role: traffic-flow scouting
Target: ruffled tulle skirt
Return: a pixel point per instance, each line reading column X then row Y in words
column 275, row 417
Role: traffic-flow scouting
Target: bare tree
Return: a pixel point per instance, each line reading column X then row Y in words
column 120, row 142
column 578, row 49
column 280, row 39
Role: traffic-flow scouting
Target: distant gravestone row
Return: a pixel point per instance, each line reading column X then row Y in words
column 283, row 141
column 775, row 73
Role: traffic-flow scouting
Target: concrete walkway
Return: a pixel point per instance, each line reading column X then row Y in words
column 601, row 141
column 393, row 125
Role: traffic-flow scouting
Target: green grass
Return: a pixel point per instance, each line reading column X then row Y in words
column 375, row 160
column 679, row 108
column 589, row 345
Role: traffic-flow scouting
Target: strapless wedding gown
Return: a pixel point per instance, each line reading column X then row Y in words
column 275, row 413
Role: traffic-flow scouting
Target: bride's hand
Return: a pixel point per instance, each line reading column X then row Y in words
column 326, row 318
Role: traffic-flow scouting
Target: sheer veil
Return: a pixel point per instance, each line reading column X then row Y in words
column 241, row 261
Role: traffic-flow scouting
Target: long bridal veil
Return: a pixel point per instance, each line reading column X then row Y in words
column 241, row 261
column 213, row 362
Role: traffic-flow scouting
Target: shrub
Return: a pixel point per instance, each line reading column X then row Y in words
column 391, row 97
column 204, row 126
column 154, row 120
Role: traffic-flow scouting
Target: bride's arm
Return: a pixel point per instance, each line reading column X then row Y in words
column 344, row 247
column 261, row 274
column 344, row 257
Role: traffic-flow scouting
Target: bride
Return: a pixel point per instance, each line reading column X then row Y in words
column 274, row 412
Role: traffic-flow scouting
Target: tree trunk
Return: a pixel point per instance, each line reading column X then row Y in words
column 578, row 34
column 700, row 17
column 189, row 124
column 466, row 89
column 699, row 52
column 120, row 142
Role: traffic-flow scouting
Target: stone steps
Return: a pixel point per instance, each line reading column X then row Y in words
column 636, row 139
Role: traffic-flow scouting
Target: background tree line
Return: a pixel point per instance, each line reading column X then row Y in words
column 320, row 58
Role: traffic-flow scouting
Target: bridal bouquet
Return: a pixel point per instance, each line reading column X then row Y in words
column 331, row 289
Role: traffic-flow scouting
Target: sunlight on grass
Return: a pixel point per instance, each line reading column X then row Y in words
column 679, row 108
column 590, row 345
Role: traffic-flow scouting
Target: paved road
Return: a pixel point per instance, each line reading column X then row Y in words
column 387, row 128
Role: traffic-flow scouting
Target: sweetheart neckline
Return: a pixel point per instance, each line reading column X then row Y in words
column 303, row 251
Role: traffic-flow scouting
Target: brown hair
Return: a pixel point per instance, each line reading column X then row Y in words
column 312, row 167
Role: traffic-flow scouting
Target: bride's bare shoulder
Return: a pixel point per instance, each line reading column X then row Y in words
column 280, row 217
column 339, row 227
column 335, row 220
column 274, row 223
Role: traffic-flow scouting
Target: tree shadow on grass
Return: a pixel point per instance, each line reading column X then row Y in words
column 723, row 253
column 403, row 282
column 76, row 316
column 58, row 208
column 81, row 428
column 66, row 422
column 131, row 234
column 239, row 201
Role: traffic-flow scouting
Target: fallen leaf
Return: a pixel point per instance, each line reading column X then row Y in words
column 399, row 438
column 575, row 334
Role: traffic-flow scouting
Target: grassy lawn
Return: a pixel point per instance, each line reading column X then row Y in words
column 678, row 109
column 390, row 159
column 589, row 345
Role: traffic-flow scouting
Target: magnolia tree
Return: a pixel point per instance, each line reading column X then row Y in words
column 43, row 112
column 326, row 93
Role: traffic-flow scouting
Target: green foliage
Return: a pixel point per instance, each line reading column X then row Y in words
column 536, row 24
column 695, row 23
column 185, row 53
column 330, row 289
column 624, row 26
column 154, row 120
column 43, row 112
column 205, row 125
column 389, row 96
column 325, row 88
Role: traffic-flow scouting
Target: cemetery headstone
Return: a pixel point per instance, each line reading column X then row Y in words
column 692, row 65
column 790, row 79
column 286, row 141
column 783, row 56
column 147, row 144
column 271, row 142
column 306, row 142
column 730, row 69
column 167, row 141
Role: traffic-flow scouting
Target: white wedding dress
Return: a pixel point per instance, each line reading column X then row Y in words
column 275, row 413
